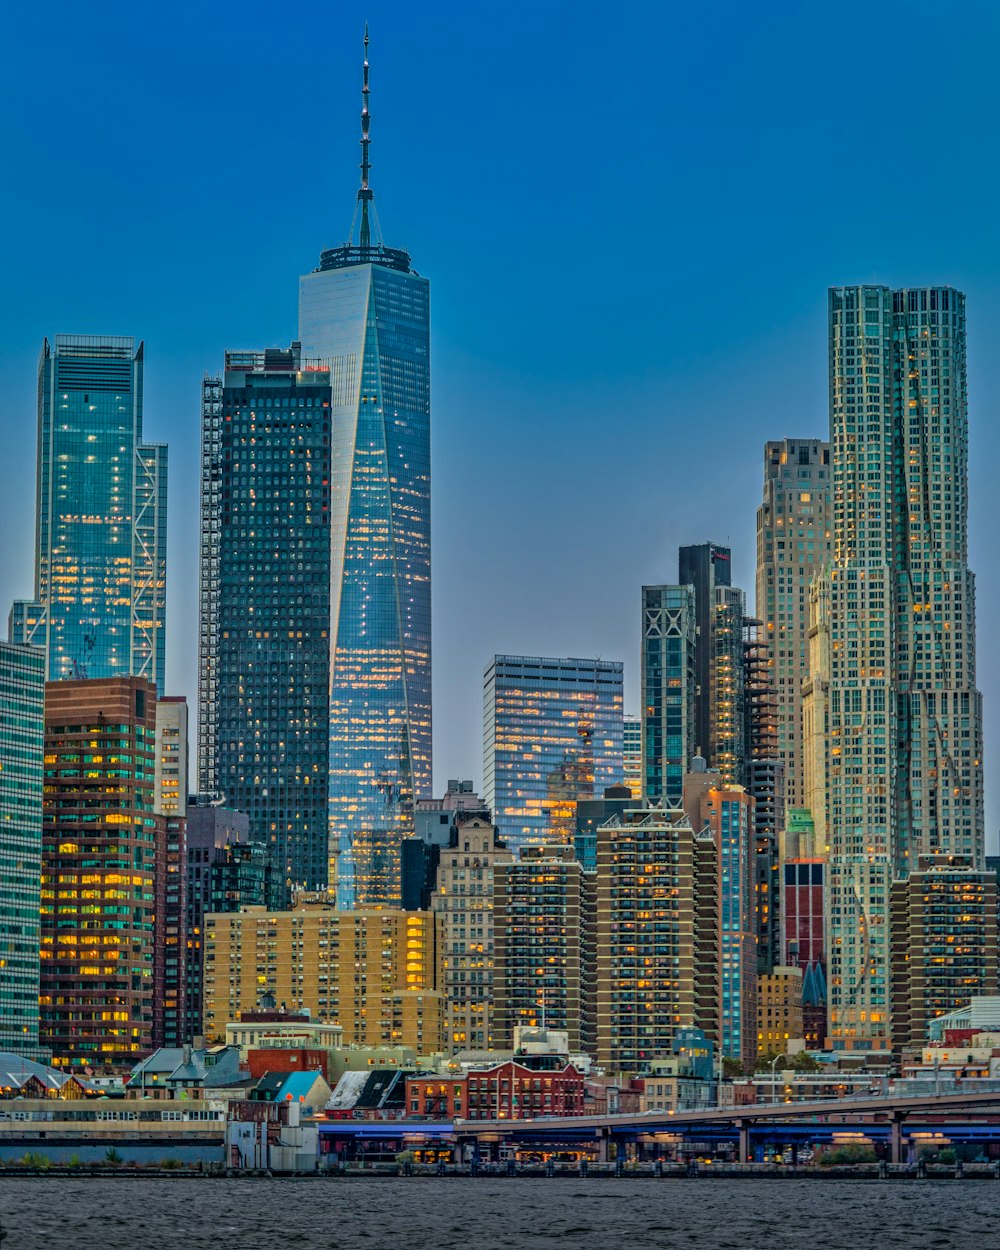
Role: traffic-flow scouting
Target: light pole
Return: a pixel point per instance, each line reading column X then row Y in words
column 774, row 1078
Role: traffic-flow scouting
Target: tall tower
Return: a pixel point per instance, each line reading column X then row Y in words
column 365, row 314
column 667, row 670
column 793, row 545
column 705, row 566
column 264, row 649
column 101, row 522
column 902, row 719
column 22, row 729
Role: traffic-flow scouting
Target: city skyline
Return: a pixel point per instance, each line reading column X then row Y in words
column 533, row 575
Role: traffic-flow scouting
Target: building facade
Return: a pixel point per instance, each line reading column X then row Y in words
column 264, row 634
column 898, row 721
column 101, row 521
column 657, row 935
column 22, row 732
column 727, row 813
column 943, row 943
column 779, row 1010
column 463, row 900
column 668, row 684
column 552, row 734
column 103, row 880
column 632, row 755
column 375, row 973
column 793, row 544
column 543, row 968
column 212, row 830
column 705, row 567
column 170, row 795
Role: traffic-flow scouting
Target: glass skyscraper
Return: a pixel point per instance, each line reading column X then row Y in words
column 669, row 644
column 365, row 314
column 552, row 734
column 101, row 523
column 265, row 603
column 22, row 733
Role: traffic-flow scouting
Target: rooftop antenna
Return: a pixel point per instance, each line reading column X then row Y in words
column 366, row 196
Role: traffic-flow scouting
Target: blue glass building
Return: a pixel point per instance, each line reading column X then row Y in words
column 552, row 735
column 22, row 735
column 669, row 684
column 101, row 526
column 264, row 635
column 365, row 314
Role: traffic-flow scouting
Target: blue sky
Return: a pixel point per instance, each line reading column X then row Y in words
column 629, row 229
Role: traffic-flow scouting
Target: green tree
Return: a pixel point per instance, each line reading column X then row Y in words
column 804, row 1062
column 112, row 1156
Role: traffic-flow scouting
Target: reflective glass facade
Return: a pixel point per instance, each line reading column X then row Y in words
column 370, row 323
column 552, row 734
column 669, row 638
column 265, row 603
column 101, row 526
column 22, row 700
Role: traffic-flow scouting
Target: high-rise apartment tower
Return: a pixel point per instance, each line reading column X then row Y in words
column 892, row 712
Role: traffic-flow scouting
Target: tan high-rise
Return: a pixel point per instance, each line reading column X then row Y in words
column 375, row 973
column 793, row 545
column 463, row 901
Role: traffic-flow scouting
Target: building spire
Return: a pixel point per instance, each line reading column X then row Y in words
column 365, row 193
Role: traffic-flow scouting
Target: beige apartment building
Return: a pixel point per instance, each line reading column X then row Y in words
column 463, row 901
column 375, row 973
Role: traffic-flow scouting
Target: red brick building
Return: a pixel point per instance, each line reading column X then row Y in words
column 523, row 1089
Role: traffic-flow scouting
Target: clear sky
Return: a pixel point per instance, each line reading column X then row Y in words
column 629, row 215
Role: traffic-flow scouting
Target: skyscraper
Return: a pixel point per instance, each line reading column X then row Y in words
column 705, row 566
column 22, row 695
column 366, row 314
column 669, row 641
column 895, row 718
column 552, row 734
column 170, row 797
column 793, row 545
column 103, row 887
column 101, row 517
column 264, row 637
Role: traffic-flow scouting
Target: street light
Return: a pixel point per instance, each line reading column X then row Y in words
column 774, row 1077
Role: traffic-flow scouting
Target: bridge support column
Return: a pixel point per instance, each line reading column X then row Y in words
column 896, row 1138
column 744, row 1130
column 603, row 1145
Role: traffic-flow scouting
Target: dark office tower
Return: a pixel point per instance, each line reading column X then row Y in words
column 704, row 566
column 101, row 517
column 366, row 314
column 22, row 694
column 265, row 603
column 103, row 862
column 669, row 642
column 225, row 872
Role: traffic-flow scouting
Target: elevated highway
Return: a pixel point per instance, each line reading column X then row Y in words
column 897, row 1121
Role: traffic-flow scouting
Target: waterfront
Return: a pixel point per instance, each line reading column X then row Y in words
column 129, row 1213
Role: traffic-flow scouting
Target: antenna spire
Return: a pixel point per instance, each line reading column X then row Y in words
column 365, row 193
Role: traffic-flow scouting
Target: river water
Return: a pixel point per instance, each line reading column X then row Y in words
column 485, row 1214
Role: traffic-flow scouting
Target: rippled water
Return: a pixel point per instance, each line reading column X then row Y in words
column 428, row 1213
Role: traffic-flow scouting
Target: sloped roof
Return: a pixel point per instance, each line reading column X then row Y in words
column 299, row 1084
column 347, row 1091
column 15, row 1070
